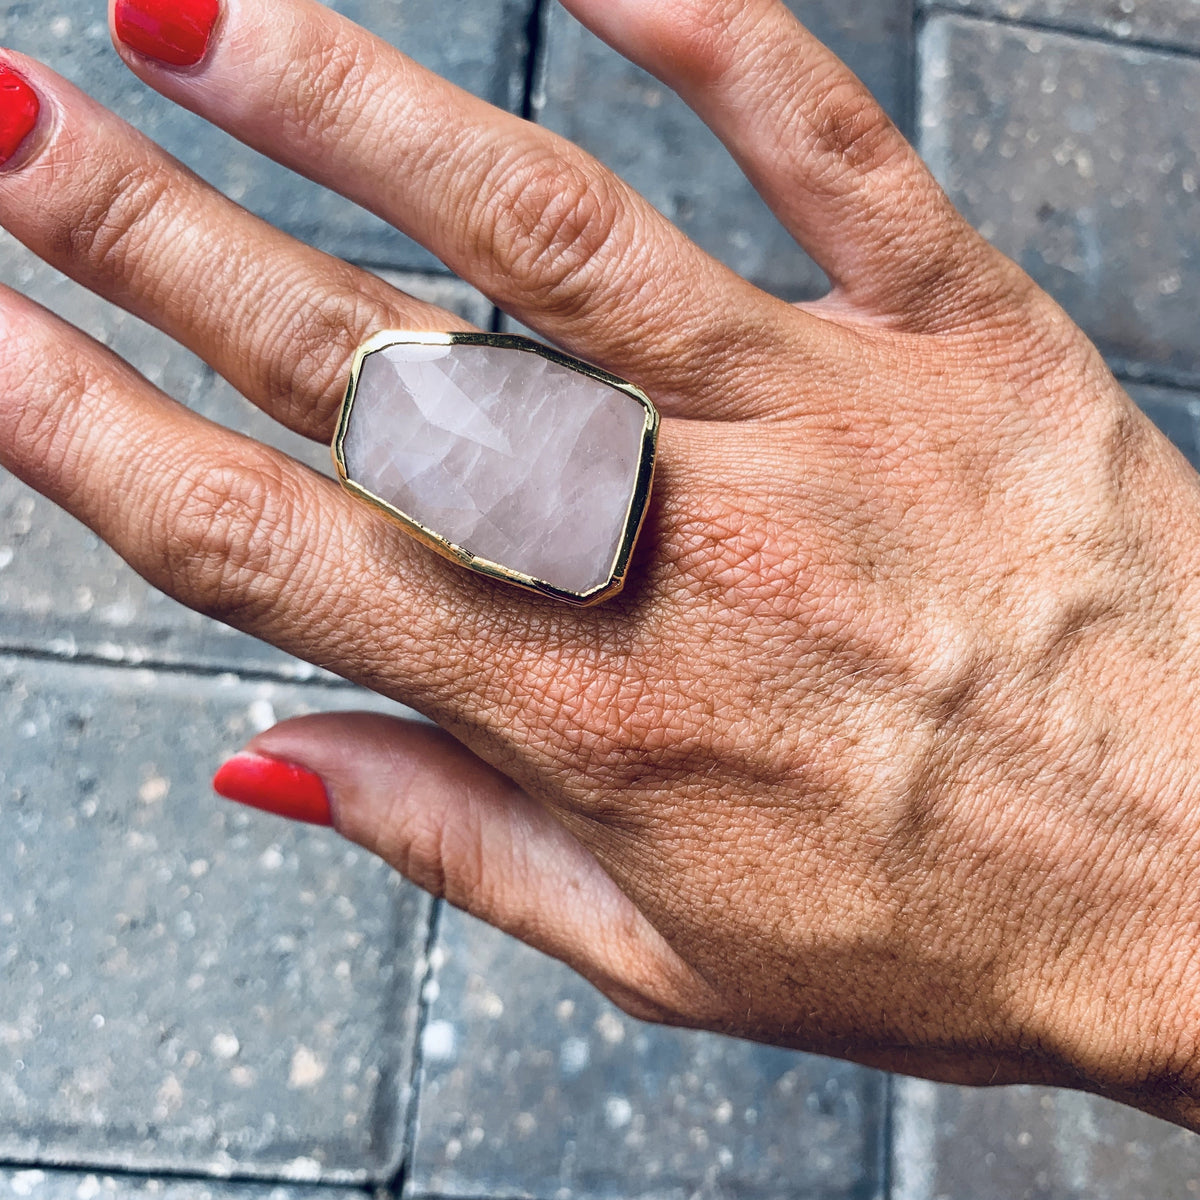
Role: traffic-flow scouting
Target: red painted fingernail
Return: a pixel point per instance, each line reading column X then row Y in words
column 176, row 32
column 276, row 787
column 19, row 108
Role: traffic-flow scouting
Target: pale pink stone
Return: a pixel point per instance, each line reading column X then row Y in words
column 503, row 453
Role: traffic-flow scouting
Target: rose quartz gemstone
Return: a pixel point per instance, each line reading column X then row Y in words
column 503, row 453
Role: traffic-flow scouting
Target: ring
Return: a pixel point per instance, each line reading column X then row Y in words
column 503, row 455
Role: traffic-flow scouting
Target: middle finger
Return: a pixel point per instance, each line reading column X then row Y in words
column 531, row 220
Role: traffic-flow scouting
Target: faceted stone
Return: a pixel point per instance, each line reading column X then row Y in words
column 507, row 455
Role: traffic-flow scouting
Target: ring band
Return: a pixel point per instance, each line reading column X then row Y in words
column 503, row 455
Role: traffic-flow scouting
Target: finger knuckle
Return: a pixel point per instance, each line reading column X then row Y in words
column 762, row 566
column 306, row 349
column 226, row 539
column 1116, row 447
column 548, row 224
column 849, row 128
column 46, row 397
column 103, row 230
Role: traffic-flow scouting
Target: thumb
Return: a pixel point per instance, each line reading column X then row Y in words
column 458, row 828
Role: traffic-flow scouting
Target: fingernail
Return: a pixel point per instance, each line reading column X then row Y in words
column 175, row 32
column 275, row 787
column 19, row 108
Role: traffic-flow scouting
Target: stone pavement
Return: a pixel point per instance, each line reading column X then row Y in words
column 198, row 1002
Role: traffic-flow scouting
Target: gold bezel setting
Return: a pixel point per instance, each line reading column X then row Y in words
column 639, row 499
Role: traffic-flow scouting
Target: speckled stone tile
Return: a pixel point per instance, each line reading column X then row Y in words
column 1080, row 160
column 188, row 985
column 1027, row 1143
column 481, row 47
column 61, row 588
column 639, row 128
column 1165, row 22
column 533, row 1086
column 35, row 1183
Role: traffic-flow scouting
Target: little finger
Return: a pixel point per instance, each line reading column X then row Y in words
column 460, row 829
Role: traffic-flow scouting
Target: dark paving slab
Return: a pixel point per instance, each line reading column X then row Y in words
column 1029, row 1143
column 61, row 589
column 186, row 985
column 480, row 48
column 1079, row 159
column 533, row 1086
column 645, row 133
column 1165, row 22
column 24, row 1183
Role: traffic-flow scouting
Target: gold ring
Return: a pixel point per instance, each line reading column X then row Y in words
column 503, row 455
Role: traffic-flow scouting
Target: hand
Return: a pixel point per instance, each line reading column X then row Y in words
column 887, row 751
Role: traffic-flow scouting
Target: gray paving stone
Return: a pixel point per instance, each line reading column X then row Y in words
column 186, row 985
column 35, row 1183
column 61, row 588
column 1028, row 1143
column 479, row 47
column 1160, row 22
column 636, row 126
column 1079, row 159
column 533, row 1086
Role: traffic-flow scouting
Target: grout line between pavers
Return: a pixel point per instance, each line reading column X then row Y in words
column 482, row 1196
column 424, row 1006
column 908, row 117
column 1034, row 25
column 533, row 92
column 535, row 61
column 1130, row 372
column 392, row 1119
column 884, row 1167
column 238, row 1179
column 86, row 658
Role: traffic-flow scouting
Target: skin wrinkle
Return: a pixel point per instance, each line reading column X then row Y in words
column 112, row 216
column 449, row 167
column 305, row 349
column 324, row 78
column 173, row 224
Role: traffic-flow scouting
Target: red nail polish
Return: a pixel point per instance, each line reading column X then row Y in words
column 176, row 32
column 275, row 787
column 19, row 108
